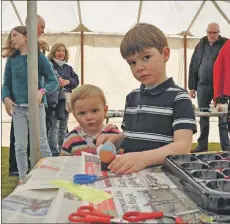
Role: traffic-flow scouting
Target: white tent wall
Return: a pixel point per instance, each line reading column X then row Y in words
column 105, row 67
column 103, row 64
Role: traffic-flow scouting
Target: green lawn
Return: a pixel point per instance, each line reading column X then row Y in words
column 9, row 183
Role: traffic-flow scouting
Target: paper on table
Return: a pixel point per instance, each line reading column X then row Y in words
column 83, row 192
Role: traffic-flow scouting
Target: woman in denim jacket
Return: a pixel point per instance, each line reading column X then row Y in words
column 68, row 79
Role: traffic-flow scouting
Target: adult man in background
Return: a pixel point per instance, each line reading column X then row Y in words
column 13, row 170
column 201, row 81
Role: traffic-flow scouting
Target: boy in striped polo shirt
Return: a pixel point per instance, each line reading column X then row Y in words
column 89, row 108
column 159, row 119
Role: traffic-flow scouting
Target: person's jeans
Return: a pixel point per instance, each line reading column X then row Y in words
column 12, row 158
column 56, row 133
column 21, row 124
column 204, row 96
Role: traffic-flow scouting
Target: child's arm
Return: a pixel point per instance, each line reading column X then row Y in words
column 109, row 138
column 51, row 82
column 7, row 89
column 7, row 85
column 135, row 161
column 183, row 124
column 66, row 149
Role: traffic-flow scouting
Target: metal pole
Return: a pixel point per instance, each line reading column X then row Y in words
column 32, row 66
column 82, row 57
column 185, row 62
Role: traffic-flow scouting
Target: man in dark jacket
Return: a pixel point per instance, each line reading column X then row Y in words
column 201, row 81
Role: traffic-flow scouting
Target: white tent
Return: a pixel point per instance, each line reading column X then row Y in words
column 104, row 24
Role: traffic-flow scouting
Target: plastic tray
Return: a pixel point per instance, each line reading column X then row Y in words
column 205, row 178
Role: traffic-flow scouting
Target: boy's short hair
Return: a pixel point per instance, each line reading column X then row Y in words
column 85, row 91
column 141, row 36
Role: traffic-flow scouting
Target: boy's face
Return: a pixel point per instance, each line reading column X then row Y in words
column 148, row 67
column 90, row 113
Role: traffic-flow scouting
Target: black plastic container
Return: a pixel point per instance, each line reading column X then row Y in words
column 203, row 179
column 193, row 166
column 207, row 174
column 219, row 164
column 225, row 155
column 226, row 172
column 183, row 158
column 219, row 185
column 208, row 157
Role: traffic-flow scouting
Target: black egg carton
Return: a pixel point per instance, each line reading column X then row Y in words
column 205, row 178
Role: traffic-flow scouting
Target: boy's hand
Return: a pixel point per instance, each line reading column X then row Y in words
column 107, row 138
column 9, row 106
column 129, row 163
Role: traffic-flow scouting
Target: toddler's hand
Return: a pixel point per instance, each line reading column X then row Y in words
column 107, row 138
column 129, row 163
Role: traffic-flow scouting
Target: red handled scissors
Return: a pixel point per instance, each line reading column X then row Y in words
column 86, row 214
column 142, row 216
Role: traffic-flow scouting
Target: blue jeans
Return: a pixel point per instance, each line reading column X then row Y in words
column 21, row 125
column 57, row 132
column 205, row 95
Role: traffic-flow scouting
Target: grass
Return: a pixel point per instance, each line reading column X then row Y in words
column 9, row 183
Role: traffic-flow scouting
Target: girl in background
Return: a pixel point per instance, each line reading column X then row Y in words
column 68, row 80
column 15, row 94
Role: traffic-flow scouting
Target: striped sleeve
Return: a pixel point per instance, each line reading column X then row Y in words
column 183, row 113
column 68, row 143
column 111, row 129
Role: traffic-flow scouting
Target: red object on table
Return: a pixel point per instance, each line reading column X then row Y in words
column 86, row 214
column 142, row 216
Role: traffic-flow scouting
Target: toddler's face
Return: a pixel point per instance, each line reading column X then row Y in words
column 90, row 113
column 148, row 66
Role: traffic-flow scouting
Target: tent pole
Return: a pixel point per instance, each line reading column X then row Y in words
column 139, row 11
column 221, row 12
column 32, row 66
column 16, row 11
column 82, row 57
column 185, row 62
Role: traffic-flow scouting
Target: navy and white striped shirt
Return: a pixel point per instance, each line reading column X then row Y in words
column 153, row 115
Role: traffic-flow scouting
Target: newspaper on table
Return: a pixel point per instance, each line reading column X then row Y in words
column 64, row 167
column 130, row 193
column 27, row 206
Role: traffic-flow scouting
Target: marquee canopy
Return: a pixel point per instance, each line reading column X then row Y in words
column 173, row 17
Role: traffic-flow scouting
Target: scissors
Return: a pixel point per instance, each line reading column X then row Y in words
column 86, row 214
column 153, row 184
column 88, row 179
column 142, row 216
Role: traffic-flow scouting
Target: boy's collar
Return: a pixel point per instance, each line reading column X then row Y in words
column 159, row 88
